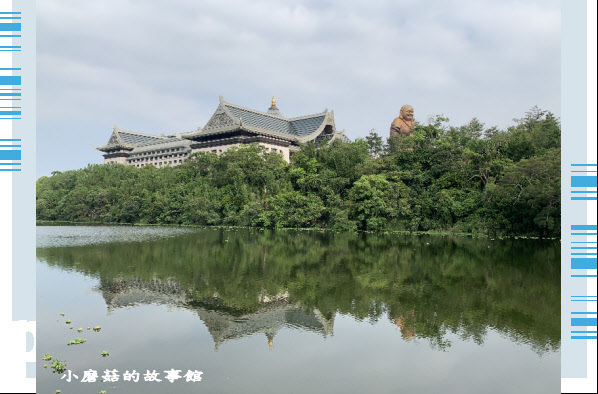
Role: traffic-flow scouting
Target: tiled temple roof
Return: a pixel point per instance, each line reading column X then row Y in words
column 229, row 117
column 306, row 126
column 122, row 139
column 163, row 144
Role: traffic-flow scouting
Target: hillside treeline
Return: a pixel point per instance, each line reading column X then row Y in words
column 468, row 179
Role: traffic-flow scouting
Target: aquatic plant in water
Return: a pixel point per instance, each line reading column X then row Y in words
column 68, row 321
column 76, row 341
column 97, row 328
column 47, row 357
column 105, row 353
column 58, row 366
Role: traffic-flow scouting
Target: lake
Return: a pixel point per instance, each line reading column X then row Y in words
column 296, row 311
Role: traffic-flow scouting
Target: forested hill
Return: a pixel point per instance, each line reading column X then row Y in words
column 464, row 179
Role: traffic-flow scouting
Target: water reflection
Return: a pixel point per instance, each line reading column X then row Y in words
column 223, row 323
column 242, row 282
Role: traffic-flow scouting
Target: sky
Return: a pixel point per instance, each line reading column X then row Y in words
column 159, row 67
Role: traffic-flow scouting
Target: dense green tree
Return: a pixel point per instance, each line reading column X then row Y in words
column 467, row 179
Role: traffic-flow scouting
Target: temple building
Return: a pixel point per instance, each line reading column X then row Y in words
column 230, row 125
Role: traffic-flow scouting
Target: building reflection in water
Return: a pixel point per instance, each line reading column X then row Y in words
column 223, row 323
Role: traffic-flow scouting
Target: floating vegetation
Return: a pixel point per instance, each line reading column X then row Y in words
column 68, row 321
column 102, row 391
column 76, row 341
column 105, row 353
column 62, row 314
column 58, row 391
column 97, row 328
column 58, row 366
column 88, row 328
column 71, row 327
column 47, row 357
column 45, row 365
column 79, row 329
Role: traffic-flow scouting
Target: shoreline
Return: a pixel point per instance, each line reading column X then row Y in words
column 386, row 232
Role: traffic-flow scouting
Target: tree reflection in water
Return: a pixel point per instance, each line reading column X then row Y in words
column 242, row 282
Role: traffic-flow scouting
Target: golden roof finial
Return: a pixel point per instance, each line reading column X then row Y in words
column 273, row 101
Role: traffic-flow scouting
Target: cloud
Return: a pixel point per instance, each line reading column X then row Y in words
column 154, row 68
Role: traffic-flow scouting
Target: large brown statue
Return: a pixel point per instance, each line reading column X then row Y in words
column 404, row 123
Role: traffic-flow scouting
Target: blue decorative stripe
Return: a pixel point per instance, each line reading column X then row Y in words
column 10, row 69
column 10, row 146
column 10, row 154
column 12, row 139
column 10, row 112
column 10, row 164
column 584, row 165
column 583, row 321
column 584, row 233
column 584, row 332
column 584, row 227
column 583, row 198
column 10, row 169
column 583, row 313
column 583, row 247
column 10, row 94
column 583, row 337
column 11, row 35
column 575, row 191
column 11, row 12
column 582, row 254
column 580, row 264
column 583, row 181
column 10, row 80
column 583, row 276
column 10, row 27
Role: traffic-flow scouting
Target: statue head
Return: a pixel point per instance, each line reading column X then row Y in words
column 406, row 113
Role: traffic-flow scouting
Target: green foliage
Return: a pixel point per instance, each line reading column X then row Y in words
column 76, row 341
column 58, row 366
column 527, row 197
column 468, row 178
column 435, row 285
column 375, row 202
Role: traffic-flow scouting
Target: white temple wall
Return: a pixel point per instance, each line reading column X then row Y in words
column 119, row 160
column 283, row 150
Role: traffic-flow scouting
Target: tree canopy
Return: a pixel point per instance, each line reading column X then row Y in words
column 468, row 179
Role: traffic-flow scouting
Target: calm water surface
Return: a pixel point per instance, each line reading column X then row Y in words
column 298, row 311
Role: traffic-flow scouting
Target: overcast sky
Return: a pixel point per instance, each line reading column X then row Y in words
column 158, row 67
